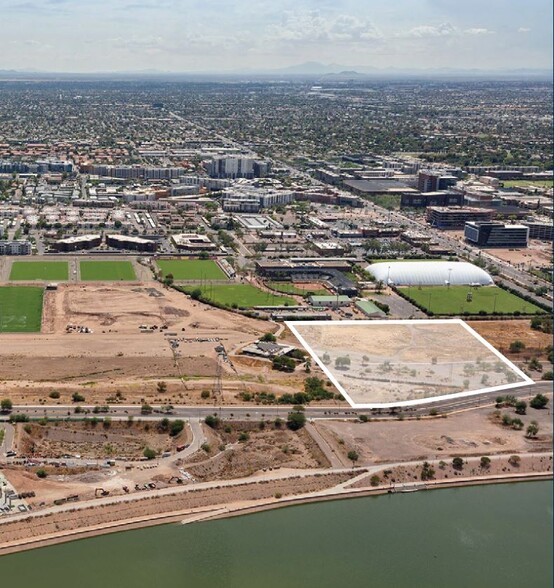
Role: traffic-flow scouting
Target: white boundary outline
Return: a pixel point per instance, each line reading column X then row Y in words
column 526, row 379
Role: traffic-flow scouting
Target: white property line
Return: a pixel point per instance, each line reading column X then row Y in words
column 526, row 379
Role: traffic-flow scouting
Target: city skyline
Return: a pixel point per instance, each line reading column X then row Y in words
column 172, row 36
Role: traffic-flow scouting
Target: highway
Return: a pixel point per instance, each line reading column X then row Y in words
column 257, row 412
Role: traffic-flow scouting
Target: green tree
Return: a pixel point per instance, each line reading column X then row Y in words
column 539, row 401
column 353, row 456
column 521, row 407
column 485, row 462
column 532, row 429
column 146, row 409
column 458, row 463
column 212, row 421
column 161, row 387
column 176, row 427
column 517, row 346
column 76, row 397
column 269, row 338
column 42, row 473
column 6, row 405
column 296, row 420
column 149, row 453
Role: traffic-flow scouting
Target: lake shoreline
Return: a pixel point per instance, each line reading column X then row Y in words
column 222, row 511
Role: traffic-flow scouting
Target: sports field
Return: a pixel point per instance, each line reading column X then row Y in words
column 107, row 271
column 290, row 288
column 192, row 269
column 527, row 183
column 39, row 270
column 239, row 295
column 20, row 309
column 454, row 300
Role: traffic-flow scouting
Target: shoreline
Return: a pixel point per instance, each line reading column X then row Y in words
column 222, row 511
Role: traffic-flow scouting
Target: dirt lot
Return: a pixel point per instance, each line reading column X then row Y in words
column 501, row 333
column 95, row 441
column 241, row 449
column 538, row 253
column 117, row 347
column 466, row 433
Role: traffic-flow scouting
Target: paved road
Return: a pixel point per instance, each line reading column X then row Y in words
column 256, row 412
column 7, row 443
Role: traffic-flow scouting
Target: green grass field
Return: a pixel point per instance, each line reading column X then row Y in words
column 39, row 270
column 453, row 300
column 526, row 183
column 290, row 288
column 241, row 295
column 107, row 271
column 192, row 269
column 20, row 309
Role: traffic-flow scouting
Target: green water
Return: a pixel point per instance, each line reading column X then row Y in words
column 487, row 536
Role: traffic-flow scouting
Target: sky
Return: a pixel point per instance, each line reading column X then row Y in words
column 239, row 35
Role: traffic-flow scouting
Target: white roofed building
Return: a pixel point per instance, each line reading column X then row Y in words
column 429, row 273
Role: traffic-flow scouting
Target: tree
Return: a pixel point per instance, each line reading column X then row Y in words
column 539, row 401
column 269, row 338
column 212, row 421
column 427, row 471
column 146, row 409
column 458, row 463
column 168, row 280
column 176, row 427
column 42, row 473
column 514, row 460
column 353, row 457
column 161, row 387
column 76, row 397
column 6, row 405
column 532, row 429
column 485, row 462
column 54, row 394
column 374, row 480
column 296, row 420
column 196, row 294
column 283, row 363
column 149, row 453
column 163, row 425
column 517, row 346
column 521, row 407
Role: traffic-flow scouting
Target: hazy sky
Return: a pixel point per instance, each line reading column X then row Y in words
column 219, row 35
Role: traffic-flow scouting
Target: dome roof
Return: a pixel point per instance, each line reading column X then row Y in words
column 429, row 273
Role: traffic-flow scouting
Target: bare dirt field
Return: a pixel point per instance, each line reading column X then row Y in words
column 388, row 362
column 259, row 449
column 538, row 253
column 117, row 346
column 475, row 432
column 501, row 333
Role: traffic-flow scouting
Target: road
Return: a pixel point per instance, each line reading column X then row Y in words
column 257, row 412
column 7, row 443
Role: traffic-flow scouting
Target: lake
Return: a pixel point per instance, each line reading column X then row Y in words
column 481, row 536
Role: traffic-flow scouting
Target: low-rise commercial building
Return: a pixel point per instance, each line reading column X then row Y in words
column 456, row 217
column 77, row 243
column 132, row 243
column 495, row 234
column 15, row 247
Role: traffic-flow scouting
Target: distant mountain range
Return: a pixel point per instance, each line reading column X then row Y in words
column 309, row 69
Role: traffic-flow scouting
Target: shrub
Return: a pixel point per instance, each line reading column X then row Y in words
column 42, row 473
column 54, row 394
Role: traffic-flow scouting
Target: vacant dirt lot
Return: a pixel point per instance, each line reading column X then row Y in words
column 466, row 433
column 501, row 333
column 117, row 346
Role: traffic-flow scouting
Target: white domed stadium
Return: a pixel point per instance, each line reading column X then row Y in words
column 429, row 273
